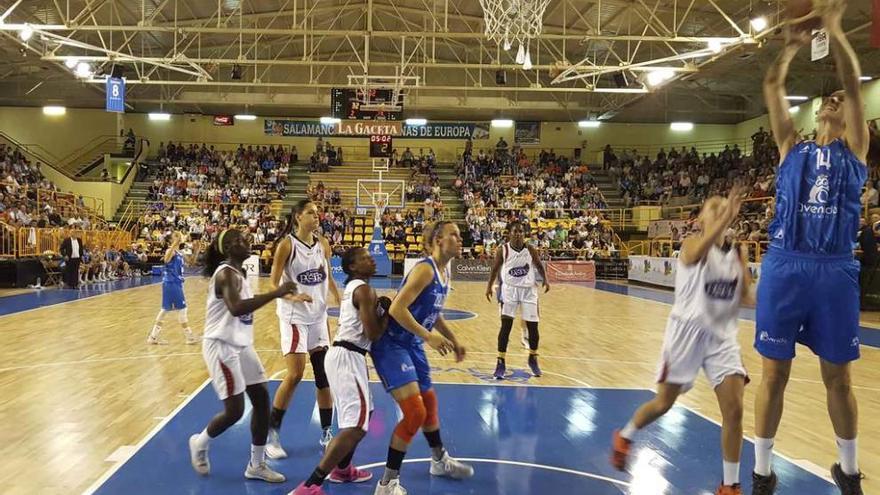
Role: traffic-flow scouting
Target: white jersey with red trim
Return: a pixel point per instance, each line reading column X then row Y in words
column 220, row 323
column 307, row 268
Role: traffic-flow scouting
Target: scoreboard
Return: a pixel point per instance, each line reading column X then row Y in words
column 380, row 146
column 345, row 104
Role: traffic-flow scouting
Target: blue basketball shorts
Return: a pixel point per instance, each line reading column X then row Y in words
column 398, row 364
column 172, row 297
column 810, row 300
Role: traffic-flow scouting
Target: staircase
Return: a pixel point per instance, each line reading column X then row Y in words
column 617, row 213
column 345, row 178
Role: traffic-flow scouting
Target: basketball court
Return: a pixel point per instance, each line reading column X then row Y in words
column 113, row 416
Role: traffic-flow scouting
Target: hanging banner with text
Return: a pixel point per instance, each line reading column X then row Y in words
column 357, row 128
column 115, row 88
column 527, row 133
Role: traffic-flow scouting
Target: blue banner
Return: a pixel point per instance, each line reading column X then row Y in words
column 357, row 128
column 380, row 254
column 115, row 94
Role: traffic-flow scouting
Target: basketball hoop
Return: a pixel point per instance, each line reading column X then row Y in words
column 509, row 22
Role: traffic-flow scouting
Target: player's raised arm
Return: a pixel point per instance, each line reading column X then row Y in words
column 849, row 72
column 774, row 91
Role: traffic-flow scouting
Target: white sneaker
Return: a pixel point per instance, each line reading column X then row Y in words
column 451, row 468
column 198, row 457
column 326, row 438
column 392, row 488
column 274, row 450
column 192, row 338
column 263, row 472
column 156, row 340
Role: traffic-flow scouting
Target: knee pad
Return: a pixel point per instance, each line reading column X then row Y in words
column 414, row 415
column 317, row 359
column 182, row 317
column 429, row 398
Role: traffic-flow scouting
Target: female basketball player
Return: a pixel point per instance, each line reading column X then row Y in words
column 361, row 322
column 303, row 257
column 173, row 298
column 711, row 280
column 809, row 286
column 228, row 349
column 517, row 262
column 400, row 360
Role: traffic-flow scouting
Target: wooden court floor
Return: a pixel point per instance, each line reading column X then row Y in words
column 78, row 383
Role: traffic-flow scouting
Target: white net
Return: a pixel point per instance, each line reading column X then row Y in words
column 510, row 22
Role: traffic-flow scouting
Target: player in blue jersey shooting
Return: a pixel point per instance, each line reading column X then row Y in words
column 173, row 298
column 809, row 286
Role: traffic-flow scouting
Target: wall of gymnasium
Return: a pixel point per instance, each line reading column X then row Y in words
column 805, row 118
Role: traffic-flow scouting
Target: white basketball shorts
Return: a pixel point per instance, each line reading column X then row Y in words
column 513, row 298
column 688, row 348
column 232, row 368
column 301, row 338
column 350, row 387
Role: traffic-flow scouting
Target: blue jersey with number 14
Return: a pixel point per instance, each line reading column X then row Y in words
column 425, row 309
column 818, row 191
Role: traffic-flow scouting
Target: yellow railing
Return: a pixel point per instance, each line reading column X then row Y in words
column 69, row 204
column 8, row 235
column 665, row 248
column 34, row 241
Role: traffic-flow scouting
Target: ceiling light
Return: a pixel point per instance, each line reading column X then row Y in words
column 865, row 78
column 658, row 76
column 71, row 63
column 589, row 123
column 25, row 33
column 620, row 90
column 715, row 46
column 159, row 116
column 502, row 123
column 330, row 120
column 245, row 116
column 759, row 23
column 54, row 110
column 681, row 126
column 416, row 121
column 83, row 70
column 794, row 109
column 797, row 98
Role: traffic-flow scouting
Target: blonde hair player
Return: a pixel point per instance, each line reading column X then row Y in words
column 173, row 297
column 303, row 257
column 711, row 281
column 809, row 286
column 228, row 350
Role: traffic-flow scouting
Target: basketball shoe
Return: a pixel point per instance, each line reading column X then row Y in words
column 849, row 484
column 451, row 468
column 392, row 488
column 263, row 472
column 733, row 489
column 302, row 489
column 763, row 485
column 533, row 364
column 619, row 451
column 274, row 450
column 500, row 369
column 198, row 457
column 351, row 474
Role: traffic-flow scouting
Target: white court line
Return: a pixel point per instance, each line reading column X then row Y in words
column 78, row 300
column 156, row 429
column 511, row 463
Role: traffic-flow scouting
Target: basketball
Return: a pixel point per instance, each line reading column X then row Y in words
column 797, row 9
column 382, row 305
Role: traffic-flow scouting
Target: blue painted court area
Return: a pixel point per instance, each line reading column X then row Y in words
column 867, row 336
column 521, row 440
column 47, row 297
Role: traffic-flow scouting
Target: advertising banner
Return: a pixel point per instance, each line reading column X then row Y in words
column 357, row 128
column 661, row 271
column 527, row 133
column 663, row 228
column 571, row 271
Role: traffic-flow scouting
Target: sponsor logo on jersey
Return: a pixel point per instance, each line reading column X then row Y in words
column 314, row 276
column 406, row 368
column 247, row 319
column 855, row 342
column 721, row 289
column 519, row 271
column 817, row 203
column 765, row 337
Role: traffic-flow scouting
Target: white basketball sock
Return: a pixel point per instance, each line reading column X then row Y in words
column 763, row 455
column 629, row 431
column 203, row 439
column 258, row 454
column 846, row 449
column 731, row 473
